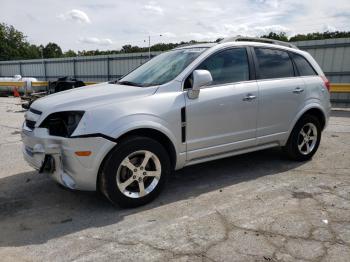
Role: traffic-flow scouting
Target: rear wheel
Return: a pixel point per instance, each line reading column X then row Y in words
column 135, row 172
column 304, row 139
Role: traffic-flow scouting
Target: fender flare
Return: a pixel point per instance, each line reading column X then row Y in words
column 144, row 121
column 309, row 106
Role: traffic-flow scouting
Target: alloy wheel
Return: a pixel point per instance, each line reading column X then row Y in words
column 138, row 174
column 307, row 138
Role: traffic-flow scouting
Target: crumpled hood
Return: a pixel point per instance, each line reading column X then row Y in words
column 86, row 97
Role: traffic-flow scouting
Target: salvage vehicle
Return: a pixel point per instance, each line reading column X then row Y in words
column 61, row 84
column 186, row 106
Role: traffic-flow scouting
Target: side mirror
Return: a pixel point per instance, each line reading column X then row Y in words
column 200, row 78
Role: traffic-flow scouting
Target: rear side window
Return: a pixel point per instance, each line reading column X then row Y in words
column 227, row 66
column 303, row 66
column 273, row 63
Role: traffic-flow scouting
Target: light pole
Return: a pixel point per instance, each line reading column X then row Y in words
column 149, row 46
column 43, row 61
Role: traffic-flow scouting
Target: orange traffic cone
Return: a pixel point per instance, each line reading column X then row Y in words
column 15, row 92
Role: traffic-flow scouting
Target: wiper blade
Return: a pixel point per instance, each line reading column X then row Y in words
column 128, row 83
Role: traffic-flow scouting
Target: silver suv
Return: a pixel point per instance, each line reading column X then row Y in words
column 190, row 105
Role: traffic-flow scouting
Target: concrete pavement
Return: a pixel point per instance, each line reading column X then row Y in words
column 254, row 207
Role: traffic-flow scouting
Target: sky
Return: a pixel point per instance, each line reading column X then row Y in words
column 110, row 24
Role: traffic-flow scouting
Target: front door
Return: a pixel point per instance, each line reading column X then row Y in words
column 223, row 117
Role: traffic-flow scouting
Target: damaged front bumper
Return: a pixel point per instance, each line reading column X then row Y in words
column 55, row 156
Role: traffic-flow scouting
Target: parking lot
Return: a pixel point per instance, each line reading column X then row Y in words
column 254, row 207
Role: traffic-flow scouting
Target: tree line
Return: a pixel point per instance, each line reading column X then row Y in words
column 14, row 45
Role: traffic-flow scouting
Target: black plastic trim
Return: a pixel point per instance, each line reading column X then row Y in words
column 37, row 112
column 183, row 124
column 252, row 63
column 95, row 135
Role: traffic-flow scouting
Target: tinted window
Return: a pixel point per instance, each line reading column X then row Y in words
column 303, row 66
column 227, row 66
column 274, row 63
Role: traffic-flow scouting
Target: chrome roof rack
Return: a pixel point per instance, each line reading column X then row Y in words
column 257, row 39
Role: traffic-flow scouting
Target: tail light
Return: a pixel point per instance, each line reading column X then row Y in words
column 326, row 83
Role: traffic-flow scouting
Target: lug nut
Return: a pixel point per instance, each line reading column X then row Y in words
column 144, row 173
column 141, row 168
column 134, row 177
column 135, row 170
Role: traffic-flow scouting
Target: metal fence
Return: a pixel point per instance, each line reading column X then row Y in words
column 333, row 55
column 86, row 68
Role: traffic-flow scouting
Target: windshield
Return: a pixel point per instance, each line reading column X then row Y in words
column 163, row 68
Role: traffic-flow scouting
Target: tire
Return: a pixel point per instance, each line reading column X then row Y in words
column 127, row 169
column 300, row 147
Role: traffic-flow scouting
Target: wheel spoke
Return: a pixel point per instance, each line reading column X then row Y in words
column 302, row 133
column 155, row 174
column 307, row 148
column 142, row 188
column 311, row 138
column 309, row 131
column 148, row 155
column 301, row 145
column 128, row 164
column 125, row 184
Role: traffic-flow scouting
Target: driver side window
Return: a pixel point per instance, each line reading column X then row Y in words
column 227, row 66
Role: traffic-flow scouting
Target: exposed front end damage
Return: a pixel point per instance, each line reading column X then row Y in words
column 56, row 157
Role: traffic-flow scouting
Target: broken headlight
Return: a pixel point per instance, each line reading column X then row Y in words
column 62, row 123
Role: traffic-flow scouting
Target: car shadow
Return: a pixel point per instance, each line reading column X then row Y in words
column 34, row 209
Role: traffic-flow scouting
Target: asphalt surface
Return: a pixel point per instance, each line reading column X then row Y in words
column 254, row 207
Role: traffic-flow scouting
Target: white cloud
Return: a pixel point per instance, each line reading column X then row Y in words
column 329, row 28
column 229, row 30
column 168, row 34
column 130, row 22
column 152, row 7
column 76, row 16
column 96, row 41
column 261, row 30
column 269, row 3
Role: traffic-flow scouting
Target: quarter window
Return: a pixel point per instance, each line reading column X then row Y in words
column 303, row 66
column 273, row 63
column 227, row 66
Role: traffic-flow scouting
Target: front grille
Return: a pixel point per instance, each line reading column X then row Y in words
column 30, row 124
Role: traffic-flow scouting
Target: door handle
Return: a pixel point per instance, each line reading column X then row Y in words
column 249, row 97
column 298, row 90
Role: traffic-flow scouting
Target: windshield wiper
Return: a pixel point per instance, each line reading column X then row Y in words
column 128, row 83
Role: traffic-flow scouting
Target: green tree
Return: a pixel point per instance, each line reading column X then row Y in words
column 281, row 36
column 52, row 50
column 13, row 44
column 32, row 52
column 70, row 53
column 320, row 36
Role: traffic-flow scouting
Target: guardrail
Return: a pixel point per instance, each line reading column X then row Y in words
column 335, row 87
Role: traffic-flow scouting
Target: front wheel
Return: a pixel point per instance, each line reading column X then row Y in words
column 304, row 139
column 135, row 172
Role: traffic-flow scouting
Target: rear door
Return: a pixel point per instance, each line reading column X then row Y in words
column 281, row 93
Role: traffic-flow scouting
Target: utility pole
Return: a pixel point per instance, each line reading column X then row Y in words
column 149, row 46
column 43, row 62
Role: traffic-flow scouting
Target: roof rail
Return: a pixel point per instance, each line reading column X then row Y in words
column 257, row 39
